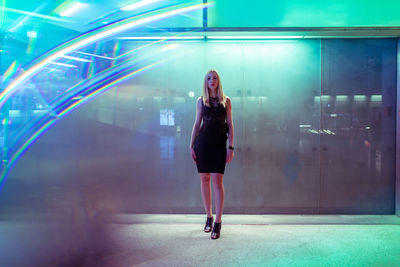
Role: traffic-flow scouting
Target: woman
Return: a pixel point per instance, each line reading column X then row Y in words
column 212, row 127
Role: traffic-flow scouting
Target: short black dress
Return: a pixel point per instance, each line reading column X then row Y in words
column 210, row 143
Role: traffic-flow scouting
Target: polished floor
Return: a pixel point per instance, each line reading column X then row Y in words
column 178, row 240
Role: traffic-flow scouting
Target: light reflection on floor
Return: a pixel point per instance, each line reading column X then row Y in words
column 178, row 240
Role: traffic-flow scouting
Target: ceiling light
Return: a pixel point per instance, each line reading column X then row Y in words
column 77, row 58
column 254, row 37
column 32, row 34
column 72, row 9
column 161, row 37
column 94, row 55
column 63, row 64
column 138, row 4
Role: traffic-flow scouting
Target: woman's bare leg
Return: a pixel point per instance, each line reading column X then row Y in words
column 206, row 193
column 219, row 195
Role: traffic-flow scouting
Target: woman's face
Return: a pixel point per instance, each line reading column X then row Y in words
column 212, row 81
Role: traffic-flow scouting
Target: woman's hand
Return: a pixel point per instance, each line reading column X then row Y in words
column 229, row 155
column 193, row 154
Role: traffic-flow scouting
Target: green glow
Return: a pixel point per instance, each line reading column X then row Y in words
column 376, row 98
column 300, row 13
column 341, row 98
column 325, row 97
column 360, row 98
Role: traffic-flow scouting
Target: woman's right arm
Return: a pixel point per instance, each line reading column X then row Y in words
column 196, row 126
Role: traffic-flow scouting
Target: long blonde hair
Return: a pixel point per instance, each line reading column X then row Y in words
column 220, row 92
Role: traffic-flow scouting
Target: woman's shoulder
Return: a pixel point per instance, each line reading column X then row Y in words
column 200, row 101
column 227, row 100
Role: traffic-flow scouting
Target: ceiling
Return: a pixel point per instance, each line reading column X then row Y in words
column 227, row 18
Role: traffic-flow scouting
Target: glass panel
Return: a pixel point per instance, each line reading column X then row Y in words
column 358, row 126
column 40, row 87
column 272, row 85
column 298, row 149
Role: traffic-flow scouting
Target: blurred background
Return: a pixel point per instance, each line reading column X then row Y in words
column 98, row 103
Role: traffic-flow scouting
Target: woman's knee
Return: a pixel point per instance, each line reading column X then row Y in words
column 218, row 181
column 205, row 178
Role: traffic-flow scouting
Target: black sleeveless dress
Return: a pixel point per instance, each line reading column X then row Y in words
column 210, row 143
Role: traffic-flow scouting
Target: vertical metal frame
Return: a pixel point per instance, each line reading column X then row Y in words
column 397, row 182
column 205, row 16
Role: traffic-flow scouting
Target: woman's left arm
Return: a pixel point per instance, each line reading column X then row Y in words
column 229, row 153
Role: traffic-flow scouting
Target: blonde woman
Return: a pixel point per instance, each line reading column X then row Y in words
column 212, row 127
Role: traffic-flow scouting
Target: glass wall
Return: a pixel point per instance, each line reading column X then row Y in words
column 358, row 103
column 309, row 126
column 272, row 85
column 314, row 127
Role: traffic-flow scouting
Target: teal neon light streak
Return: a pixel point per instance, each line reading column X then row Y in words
column 62, row 114
column 84, row 40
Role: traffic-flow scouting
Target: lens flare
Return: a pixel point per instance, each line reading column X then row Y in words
column 87, row 39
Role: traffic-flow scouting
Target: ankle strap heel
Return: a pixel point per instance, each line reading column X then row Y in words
column 208, row 226
column 216, row 231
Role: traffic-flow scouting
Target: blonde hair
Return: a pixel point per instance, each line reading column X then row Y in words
column 220, row 93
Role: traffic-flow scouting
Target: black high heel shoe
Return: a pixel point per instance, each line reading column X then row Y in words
column 216, row 231
column 208, row 226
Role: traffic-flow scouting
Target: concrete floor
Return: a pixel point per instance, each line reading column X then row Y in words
column 178, row 240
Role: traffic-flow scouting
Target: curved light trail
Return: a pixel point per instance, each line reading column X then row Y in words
column 72, row 46
column 81, row 42
column 65, row 112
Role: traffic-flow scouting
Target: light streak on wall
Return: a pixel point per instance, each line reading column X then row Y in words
column 33, row 14
column 61, row 102
column 116, row 49
column 102, row 89
column 159, row 39
column 57, row 112
column 2, row 13
column 170, row 47
column 51, row 69
column 31, row 45
column 10, row 71
column 22, row 21
column 84, row 40
column 64, row 113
